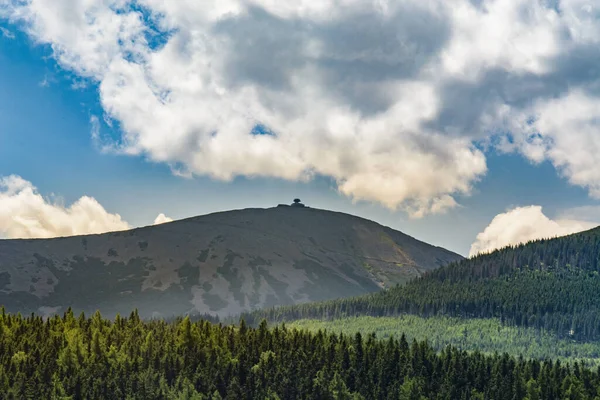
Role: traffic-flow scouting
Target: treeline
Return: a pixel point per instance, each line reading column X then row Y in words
column 548, row 284
column 487, row 336
column 564, row 302
column 72, row 357
column 580, row 250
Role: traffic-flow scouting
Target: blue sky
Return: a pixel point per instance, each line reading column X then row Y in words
column 46, row 107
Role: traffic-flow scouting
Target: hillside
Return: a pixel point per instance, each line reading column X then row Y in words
column 222, row 263
column 550, row 284
column 485, row 335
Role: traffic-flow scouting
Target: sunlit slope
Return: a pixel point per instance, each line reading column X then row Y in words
column 221, row 263
column 486, row 335
column 549, row 284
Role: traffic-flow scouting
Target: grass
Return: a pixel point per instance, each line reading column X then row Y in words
column 485, row 335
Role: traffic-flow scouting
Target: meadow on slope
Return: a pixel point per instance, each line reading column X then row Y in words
column 485, row 335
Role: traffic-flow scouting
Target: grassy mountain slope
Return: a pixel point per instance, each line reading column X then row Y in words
column 222, row 263
column 485, row 335
column 548, row 284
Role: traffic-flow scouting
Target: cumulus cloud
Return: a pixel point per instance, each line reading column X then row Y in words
column 162, row 219
column 390, row 98
column 524, row 224
column 566, row 132
column 25, row 213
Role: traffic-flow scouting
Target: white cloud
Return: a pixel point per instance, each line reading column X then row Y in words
column 162, row 219
column 6, row 33
column 524, row 35
column 389, row 98
column 24, row 213
column 524, row 224
column 566, row 131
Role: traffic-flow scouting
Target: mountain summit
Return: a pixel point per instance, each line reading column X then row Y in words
column 221, row 263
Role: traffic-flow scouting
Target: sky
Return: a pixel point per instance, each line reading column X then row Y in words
column 469, row 124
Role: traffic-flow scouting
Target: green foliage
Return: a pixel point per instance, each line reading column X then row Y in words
column 485, row 335
column 550, row 285
column 94, row 358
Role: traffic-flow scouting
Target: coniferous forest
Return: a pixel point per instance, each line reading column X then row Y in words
column 486, row 335
column 300, row 199
column 69, row 357
column 547, row 286
column 550, row 285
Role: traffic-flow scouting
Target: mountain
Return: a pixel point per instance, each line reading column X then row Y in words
column 222, row 263
column 552, row 285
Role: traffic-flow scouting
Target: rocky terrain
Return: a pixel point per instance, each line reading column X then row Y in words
column 221, row 264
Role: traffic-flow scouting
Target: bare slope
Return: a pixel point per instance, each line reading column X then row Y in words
column 221, row 263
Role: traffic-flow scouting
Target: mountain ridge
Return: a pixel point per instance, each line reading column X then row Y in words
column 220, row 263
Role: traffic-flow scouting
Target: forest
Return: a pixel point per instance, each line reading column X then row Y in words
column 549, row 285
column 537, row 301
column 486, row 335
column 69, row 357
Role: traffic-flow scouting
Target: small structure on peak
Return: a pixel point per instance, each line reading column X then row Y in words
column 296, row 203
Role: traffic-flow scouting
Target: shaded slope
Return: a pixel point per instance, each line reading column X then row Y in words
column 221, row 263
column 548, row 284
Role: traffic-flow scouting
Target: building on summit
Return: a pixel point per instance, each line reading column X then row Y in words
column 296, row 203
